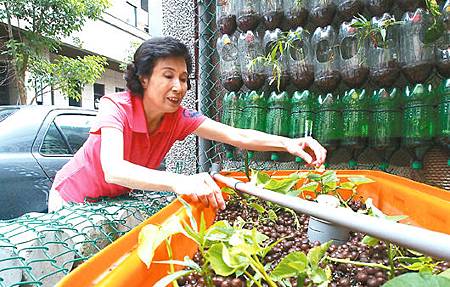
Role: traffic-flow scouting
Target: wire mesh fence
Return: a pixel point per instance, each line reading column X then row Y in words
column 435, row 170
column 38, row 249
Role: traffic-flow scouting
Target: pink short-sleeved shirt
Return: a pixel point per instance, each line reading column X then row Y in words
column 83, row 175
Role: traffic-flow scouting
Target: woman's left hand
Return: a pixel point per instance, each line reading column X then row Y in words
column 309, row 149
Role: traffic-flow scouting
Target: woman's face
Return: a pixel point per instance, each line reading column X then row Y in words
column 167, row 85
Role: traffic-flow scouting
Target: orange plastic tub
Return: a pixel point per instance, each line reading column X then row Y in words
column 119, row 265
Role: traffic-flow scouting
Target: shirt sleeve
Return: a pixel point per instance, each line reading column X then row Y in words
column 189, row 121
column 109, row 115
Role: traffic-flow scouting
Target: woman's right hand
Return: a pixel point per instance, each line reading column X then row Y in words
column 200, row 188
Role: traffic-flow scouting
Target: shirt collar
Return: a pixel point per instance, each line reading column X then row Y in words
column 139, row 122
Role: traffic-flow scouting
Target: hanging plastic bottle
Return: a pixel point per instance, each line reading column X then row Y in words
column 409, row 5
column 230, row 72
column 346, row 9
column 355, row 116
column 442, row 50
column 295, row 13
column 416, row 57
column 443, row 132
column 378, row 7
column 385, row 123
column 303, row 108
column 301, row 69
column 325, row 59
column 328, row 125
column 419, row 122
column 321, row 12
column 248, row 14
column 277, row 122
column 277, row 80
column 252, row 71
column 226, row 16
column 230, row 115
column 353, row 60
column 383, row 54
column 272, row 12
column 254, row 112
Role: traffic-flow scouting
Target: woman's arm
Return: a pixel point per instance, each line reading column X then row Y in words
column 307, row 148
column 121, row 172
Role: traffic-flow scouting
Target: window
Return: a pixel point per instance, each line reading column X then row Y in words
column 74, row 103
column 66, row 134
column 99, row 92
column 118, row 90
column 144, row 5
column 131, row 14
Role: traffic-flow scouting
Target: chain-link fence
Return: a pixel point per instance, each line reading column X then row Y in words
column 38, row 249
column 435, row 169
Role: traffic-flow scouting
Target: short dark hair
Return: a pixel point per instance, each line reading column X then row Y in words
column 148, row 54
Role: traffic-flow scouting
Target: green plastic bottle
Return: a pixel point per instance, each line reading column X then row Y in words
column 278, row 112
column 385, row 122
column 254, row 112
column 419, row 121
column 355, row 114
column 443, row 132
column 328, row 125
column 230, row 115
column 303, row 107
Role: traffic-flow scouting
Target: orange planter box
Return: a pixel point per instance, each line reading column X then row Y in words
column 119, row 265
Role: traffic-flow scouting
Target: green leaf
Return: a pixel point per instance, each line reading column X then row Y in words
column 163, row 282
column 358, row 180
column 219, row 231
column 186, row 263
column 257, row 207
column 259, row 178
column 291, row 265
column 215, row 258
column 445, row 274
column 396, row 218
column 228, row 190
column 370, row 241
column 347, row 185
column 189, row 213
column 316, row 254
column 319, row 276
column 418, row 280
column 282, row 185
column 272, row 215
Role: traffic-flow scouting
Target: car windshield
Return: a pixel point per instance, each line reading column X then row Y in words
column 4, row 113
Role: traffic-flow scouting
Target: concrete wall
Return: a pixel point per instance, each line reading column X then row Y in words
column 178, row 20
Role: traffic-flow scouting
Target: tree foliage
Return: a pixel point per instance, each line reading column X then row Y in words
column 41, row 26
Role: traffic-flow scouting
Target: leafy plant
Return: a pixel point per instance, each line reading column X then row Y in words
column 375, row 33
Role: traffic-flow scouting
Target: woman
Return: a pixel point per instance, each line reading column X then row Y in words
column 135, row 129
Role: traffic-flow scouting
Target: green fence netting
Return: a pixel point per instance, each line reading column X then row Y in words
column 38, row 249
column 435, row 169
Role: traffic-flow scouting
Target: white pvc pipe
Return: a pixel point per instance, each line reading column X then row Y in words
column 429, row 242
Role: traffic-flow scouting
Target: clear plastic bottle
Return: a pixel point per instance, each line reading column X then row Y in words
column 416, row 57
column 276, row 81
column 321, row 12
column 226, row 16
column 295, row 13
column 346, row 9
column 383, row 55
column 442, row 50
column 301, row 68
column 353, row 60
column 230, row 71
column 253, row 72
column 272, row 12
column 248, row 14
column 378, row 7
column 325, row 59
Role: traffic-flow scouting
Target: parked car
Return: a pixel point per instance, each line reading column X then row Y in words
column 35, row 142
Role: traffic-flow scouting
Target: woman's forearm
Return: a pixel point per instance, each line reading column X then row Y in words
column 259, row 141
column 133, row 176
